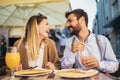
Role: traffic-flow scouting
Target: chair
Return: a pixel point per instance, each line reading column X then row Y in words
column 2, row 66
column 3, row 70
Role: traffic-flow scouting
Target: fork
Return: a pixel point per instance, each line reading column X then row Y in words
column 31, row 68
column 51, row 75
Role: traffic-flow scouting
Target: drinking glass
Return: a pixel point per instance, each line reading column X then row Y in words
column 84, row 56
column 12, row 60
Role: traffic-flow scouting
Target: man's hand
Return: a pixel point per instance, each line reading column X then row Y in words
column 78, row 46
column 90, row 62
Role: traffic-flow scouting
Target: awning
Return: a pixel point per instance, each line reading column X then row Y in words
column 11, row 2
column 17, row 14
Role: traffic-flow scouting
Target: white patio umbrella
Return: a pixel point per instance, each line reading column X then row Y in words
column 18, row 14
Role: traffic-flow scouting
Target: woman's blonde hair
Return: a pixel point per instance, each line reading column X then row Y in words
column 32, row 38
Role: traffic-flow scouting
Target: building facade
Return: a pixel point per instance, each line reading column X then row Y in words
column 108, row 22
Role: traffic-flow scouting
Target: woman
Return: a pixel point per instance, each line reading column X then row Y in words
column 36, row 49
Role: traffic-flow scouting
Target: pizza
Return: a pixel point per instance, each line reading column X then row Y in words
column 35, row 71
column 76, row 74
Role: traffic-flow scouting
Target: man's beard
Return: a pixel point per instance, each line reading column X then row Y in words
column 75, row 31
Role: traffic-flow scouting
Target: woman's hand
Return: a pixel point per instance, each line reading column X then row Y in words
column 19, row 67
column 50, row 65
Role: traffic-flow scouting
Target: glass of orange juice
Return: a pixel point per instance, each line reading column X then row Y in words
column 85, row 55
column 12, row 60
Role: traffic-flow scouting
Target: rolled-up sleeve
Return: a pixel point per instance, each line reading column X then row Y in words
column 109, row 63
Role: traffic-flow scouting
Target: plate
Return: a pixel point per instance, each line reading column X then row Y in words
column 72, row 73
column 35, row 72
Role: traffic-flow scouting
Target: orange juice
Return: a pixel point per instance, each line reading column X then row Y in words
column 12, row 60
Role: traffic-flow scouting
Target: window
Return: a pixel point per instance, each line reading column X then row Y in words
column 118, row 45
column 114, row 8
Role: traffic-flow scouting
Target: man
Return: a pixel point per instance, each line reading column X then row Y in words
column 82, row 51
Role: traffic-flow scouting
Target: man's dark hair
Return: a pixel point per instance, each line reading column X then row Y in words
column 79, row 13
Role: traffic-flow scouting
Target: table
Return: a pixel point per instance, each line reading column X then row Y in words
column 99, row 76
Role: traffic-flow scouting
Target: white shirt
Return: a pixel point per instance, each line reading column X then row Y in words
column 39, row 61
column 108, row 64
